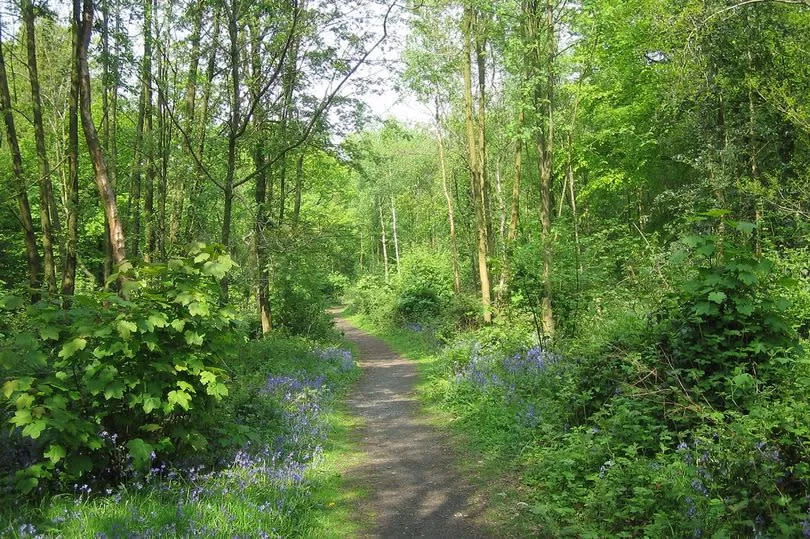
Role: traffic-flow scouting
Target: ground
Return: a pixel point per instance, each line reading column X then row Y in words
column 410, row 469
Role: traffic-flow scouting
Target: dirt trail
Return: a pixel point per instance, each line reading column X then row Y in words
column 409, row 467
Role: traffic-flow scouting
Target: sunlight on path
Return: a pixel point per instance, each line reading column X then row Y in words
column 409, row 467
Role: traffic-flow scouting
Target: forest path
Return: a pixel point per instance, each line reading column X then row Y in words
column 409, row 466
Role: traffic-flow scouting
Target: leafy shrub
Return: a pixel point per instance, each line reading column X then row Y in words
column 726, row 331
column 372, row 297
column 425, row 286
column 104, row 385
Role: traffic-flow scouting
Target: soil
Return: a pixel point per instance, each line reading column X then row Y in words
column 409, row 467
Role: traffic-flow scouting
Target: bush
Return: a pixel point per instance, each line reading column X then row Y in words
column 424, row 287
column 108, row 383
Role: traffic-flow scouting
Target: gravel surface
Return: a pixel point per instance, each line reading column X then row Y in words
column 409, row 467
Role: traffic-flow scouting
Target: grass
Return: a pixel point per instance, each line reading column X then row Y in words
column 251, row 498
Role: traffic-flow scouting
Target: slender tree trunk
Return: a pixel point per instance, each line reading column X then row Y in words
column 137, row 171
column 189, row 105
column 199, row 175
column 450, row 213
column 91, row 136
column 233, row 34
column 149, row 135
column 262, row 256
column 394, row 229
column 46, row 200
column 72, row 183
column 384, row 247
column 299, row 179
column 544, row 60
column 514, row 211
column 105, row 123
column 23, row 206
column 476, row 154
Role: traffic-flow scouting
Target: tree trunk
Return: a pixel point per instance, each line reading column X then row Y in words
column 450, row 213
column 199, row 174
column 91, row 136
column 514, row 211
column 299, row 179
column 190, row 102
column 105, row 122
column 478, row 180
column 72, row 183
column 544, row 60
column 233, row 126
column 394, row 228
column 23, row 207
column 149, row 136
column 46, row 200
column 384, row 247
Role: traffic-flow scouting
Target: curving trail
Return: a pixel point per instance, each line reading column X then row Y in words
column 409, row 467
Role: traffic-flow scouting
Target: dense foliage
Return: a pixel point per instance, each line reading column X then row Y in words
column 599, row 229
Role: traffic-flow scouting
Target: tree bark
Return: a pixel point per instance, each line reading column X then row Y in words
column 199, row 174
column 72, row 183
column 189, row 105
column 394, row 229
column 384, row 247
column 450, row 213
column 46, row 200
column 23, row 206
column 299, row 179
column 105, row 189
column 476, row 154
column 149, row 136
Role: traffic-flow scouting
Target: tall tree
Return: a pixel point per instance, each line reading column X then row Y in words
column 20, row 188
column 105, row 188
column 476, row 149
column 46, row 200
column 72, row 183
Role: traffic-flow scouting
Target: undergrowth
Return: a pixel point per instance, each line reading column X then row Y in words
column 274, row 471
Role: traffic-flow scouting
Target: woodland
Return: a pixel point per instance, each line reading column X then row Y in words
column 591, row 231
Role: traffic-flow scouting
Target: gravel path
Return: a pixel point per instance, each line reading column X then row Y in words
column 409, row 467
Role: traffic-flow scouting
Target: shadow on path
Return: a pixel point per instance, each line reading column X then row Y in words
column 409, row 466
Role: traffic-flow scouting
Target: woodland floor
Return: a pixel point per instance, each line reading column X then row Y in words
column 409, row 468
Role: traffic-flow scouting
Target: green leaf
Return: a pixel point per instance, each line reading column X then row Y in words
column 217, row 390
column 71, row 347
column 717, row 297
column 150, row 403
column 207, row 377
column 21, row 418
column 745, row 227
column 49, row 333
column 178, row 325
column 180, row 398
column 156, row 320
column 114, row 390
column 192, row 337
column 185, row 386
column 55, row 453
column 202, row 257
column 27, row 484
column 140, row 451
column 9, row 388
column 10, row 303
column 35, row 428
column 125, row 328
column 198, row 308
